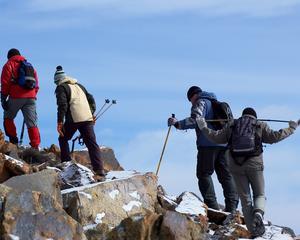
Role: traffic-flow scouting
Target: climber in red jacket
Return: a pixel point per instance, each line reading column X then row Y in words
column 19, row 87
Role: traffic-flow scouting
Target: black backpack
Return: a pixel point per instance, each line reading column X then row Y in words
column 26, row 78
column 221, row 111
column 245, row 142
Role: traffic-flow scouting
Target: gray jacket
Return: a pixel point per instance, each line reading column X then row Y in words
column 263, row 130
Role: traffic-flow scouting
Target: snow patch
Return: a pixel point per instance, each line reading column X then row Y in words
column 89, row 196
column 90, row 226
column 114, row 193
column 99, row 217
column 190, row 204
column 14, row 237
column 14, row 161
column 54, row 168
column 128, row 207
column 135, row 195
column 120, row 174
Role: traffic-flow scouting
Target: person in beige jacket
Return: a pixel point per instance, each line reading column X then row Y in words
column 246, row 160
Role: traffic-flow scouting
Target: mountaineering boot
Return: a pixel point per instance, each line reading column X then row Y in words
column 258, row 224
column 99, row 175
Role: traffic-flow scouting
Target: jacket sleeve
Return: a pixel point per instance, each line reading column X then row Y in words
column 197, row 111
column 6, row 77
column 270, row 136
column 90, row 99
column 62, row 103
column 221, row 136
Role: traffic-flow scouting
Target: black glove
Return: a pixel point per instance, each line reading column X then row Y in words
column 4, row 102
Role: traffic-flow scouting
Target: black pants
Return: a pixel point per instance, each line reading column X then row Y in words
column 212, row 159
column 86, row 130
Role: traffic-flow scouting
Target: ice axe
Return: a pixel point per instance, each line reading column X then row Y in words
column 164, row 147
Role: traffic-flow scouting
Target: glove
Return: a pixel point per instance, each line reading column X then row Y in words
column 293, row 124
column 201, row 123
column 171, row 121
column 60, row 129
column 4, row 102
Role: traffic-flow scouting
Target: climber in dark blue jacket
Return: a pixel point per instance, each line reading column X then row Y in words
column 211, row 157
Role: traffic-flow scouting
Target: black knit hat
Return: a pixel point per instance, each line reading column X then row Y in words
column 193, row 90
column 249, row 111
column 12, row 52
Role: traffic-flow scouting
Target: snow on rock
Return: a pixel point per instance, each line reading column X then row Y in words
column 114, row 193
column 120, row 174
column 191, row 204
column 274, row 233
column 99, row 217
column 89, row 196
column 135, row 195
column 128, row 207
column 14, row 161
column 13, row 237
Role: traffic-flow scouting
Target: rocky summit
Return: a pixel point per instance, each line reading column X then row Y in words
column 43, row 199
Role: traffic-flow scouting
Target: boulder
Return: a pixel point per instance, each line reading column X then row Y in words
column 35, row 215
column 75, row 175
column 4, row 172
column 109, row 202
column 45, row 181
column 10, row 150
column 177, row 226
column 137, row 227
column 110, row 163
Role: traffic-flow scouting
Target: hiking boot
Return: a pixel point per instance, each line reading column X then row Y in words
column 258, row 225
column 100, row 173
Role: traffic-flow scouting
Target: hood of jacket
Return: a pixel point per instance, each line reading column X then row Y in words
column 67, row 79
column 208, row 95
column 16, row 58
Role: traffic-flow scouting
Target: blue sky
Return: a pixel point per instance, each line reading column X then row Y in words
column 146, row 54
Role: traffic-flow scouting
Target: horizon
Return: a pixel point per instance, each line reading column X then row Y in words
column 146, row 54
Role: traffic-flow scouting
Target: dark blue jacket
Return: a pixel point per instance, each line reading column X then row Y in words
column 201, row 108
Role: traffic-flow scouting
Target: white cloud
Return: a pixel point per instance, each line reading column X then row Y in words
column 146, row 7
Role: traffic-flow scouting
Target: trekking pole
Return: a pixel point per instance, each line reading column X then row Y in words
column 106, row 102
column 22, row 133
column 163, row 150
column 100, row 114
column 262, row 120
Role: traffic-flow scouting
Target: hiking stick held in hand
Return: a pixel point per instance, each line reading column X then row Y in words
column 262, row 120
column 22, row 133
column 164, row 147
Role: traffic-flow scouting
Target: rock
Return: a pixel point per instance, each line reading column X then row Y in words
column 34, row 156
column 165, row 201
column 110, row 163
column 35, row 215
column 176, row 226
column 138, row 227
column 11, row 150
column 75, row 175
column 4, row 172
column 45, row 181
column 16, row 167
column 2, row 139
column 112, row 201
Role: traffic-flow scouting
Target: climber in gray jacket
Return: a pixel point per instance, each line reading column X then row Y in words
column 245, row 137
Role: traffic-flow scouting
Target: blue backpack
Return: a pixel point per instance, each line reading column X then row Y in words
column 26, row 77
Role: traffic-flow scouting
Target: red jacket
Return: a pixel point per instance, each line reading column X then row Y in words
column 10, row 88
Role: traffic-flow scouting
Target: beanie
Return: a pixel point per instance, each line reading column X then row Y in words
column 193, row 90
column 59, row 74
column 12, row 52
column 249, row 111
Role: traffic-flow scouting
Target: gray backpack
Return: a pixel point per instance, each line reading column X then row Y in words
column 245, row 141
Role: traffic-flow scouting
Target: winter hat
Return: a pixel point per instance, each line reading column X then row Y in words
column 59, row 74
column 193, row 90
column 249, row 111
column 12, row 52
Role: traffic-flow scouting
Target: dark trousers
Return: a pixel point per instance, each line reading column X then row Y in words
column 86, row 130
column 212, row 159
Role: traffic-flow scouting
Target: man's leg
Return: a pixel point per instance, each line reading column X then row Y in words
column 257, row 182
column 69, row 130
column 205, row 168
column 243, row 187
column 226, row 180
column 87, row 132
column 14, row 105
column 30, row 118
